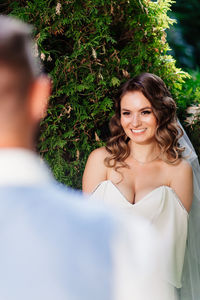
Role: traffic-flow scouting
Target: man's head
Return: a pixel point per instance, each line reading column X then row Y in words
column 24, row 90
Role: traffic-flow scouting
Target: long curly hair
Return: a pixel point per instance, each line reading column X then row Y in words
column 167, row 133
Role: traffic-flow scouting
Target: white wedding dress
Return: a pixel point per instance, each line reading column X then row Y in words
column 166, row 213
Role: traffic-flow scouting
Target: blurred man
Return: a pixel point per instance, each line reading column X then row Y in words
column 54, row 245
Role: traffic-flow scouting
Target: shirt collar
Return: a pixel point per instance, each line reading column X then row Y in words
column 22, row 167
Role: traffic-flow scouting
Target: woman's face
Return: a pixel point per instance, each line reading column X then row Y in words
column 137, row 118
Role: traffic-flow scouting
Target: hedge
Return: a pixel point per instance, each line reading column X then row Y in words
column 89, row 48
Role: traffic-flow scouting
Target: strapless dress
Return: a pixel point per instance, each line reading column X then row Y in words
column 165, row 212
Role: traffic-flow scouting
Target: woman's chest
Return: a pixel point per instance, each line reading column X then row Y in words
column 136, row 182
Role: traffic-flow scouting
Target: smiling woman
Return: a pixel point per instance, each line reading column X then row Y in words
column 148, row 95
column 142, row 160
column 137, row 118
column 144, row 140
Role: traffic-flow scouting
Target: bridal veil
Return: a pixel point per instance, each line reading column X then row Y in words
column 191, row 270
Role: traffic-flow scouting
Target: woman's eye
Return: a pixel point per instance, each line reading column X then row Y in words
column 146, row 112
column 126, row 113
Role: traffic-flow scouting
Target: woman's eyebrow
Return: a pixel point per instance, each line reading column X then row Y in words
column 146, row 107
column 125, row 109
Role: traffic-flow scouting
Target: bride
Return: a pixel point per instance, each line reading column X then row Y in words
column 142, row 169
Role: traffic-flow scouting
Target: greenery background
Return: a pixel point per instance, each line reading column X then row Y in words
column 89, row 48
column 184, row 40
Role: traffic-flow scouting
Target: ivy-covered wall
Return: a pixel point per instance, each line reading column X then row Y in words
column 89, row 47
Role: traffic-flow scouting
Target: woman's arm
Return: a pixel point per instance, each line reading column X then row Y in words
column 95, row 170
column 182, row 183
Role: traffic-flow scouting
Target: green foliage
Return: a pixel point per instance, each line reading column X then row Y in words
column 194, row 133
column 190, row 94
column 184, row 36
column 89, row 48
column 189, row 97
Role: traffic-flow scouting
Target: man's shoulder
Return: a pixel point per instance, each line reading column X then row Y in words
column 57, row 204
column 57, row 231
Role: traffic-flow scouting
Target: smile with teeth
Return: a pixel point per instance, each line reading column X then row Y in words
column 138, row 130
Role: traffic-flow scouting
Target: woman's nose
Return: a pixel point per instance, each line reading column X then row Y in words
column 136, row 121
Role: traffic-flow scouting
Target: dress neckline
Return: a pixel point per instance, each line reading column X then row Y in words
column 146, row 196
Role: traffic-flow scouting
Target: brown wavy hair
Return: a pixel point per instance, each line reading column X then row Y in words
column 167, row 133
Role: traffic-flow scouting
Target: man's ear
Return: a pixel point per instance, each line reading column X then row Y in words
column 38, row 97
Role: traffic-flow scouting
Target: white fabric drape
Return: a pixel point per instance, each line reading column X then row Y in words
column 191, row 271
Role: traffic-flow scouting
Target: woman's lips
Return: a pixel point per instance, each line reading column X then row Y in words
column 138, row 130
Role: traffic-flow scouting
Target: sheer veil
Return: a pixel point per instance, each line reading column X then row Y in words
column 191, row 270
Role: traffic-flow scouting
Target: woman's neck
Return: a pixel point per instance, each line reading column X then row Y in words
column 144, row 153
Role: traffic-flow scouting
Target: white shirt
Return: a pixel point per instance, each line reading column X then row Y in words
column 20, row 166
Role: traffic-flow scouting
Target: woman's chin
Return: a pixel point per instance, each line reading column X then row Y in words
column 142, row 140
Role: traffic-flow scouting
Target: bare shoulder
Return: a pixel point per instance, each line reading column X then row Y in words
column 99, row 154
column 181, row 180
column 95, row 169
column 182, row 168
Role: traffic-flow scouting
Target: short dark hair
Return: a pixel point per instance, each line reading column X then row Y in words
column 16, row 50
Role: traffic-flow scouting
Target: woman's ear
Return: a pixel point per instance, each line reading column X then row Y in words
column 38, row 97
